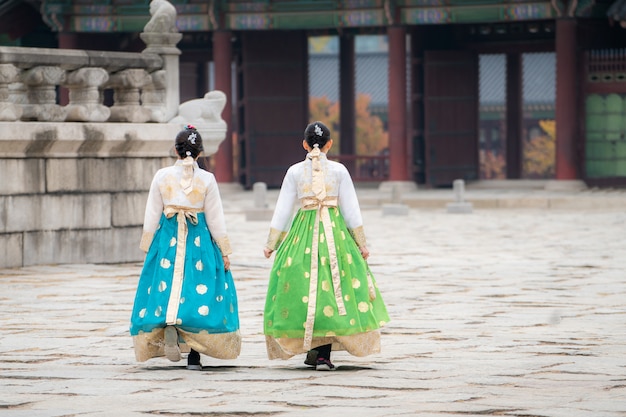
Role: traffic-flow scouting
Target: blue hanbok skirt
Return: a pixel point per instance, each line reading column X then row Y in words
column 195, row 294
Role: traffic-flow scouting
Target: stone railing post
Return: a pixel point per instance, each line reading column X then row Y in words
column 85, row 98
column 126, row 86
column 41, row 85
column 9, row 111
column 18, row 95
column 153, row 97
column 161, row 36
column 260, row 211
column 459, row 205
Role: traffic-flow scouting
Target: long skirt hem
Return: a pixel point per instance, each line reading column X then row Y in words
column 216, row 345
column 362, row 344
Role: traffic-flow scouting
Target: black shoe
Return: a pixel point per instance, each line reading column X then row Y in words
column 311, row 358
column 324, row 365
column 193, row 361
column 194, row 367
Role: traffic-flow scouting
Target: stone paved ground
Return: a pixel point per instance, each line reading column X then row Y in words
column 507, row 312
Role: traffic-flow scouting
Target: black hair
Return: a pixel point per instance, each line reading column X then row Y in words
column 317, row 133
column 188, row 142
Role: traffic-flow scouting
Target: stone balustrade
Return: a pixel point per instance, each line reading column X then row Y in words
column 74, row 176
column 145, row 84
column 30, row 77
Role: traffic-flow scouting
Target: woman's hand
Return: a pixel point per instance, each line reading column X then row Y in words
column 365, row 253
column 226, row 262
column 267, row 252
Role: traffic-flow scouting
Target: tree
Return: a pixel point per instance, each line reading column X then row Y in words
column 539, row 152
column 371, row 137
column 492, row 165
column 324, row 110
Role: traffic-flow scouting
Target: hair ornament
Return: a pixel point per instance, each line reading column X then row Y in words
column 188, row 153
column 190, row 127
column 192, row 138
column 317, row 145
column 318, row 131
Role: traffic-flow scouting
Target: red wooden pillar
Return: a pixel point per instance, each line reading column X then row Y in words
column 222, row 59
column 66, row 41
column 398, row 146
column 415, row 124
column 566, row 99
column 347, row 97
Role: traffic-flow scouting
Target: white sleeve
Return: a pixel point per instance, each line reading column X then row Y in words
column 152, row 216
column 154, row 208
column 348, row 201
column 214, row 213
column 283, row 212
column 287, row 198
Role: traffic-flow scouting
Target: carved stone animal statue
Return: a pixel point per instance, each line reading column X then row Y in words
column 163, row 17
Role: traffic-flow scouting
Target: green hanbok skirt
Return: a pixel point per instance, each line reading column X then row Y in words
column 353, row 328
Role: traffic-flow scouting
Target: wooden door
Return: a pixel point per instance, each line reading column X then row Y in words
column 273, row 104
column 450, row 116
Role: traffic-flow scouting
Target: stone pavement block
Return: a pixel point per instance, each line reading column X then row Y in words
column 459, row 208
column 259, row 215
column 505, row 312
column 587, row 203
column 395, row 210
column 426, row 203
column 523, row 202
column 485, row 203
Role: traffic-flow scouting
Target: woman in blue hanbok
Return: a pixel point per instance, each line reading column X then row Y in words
column 186, row 299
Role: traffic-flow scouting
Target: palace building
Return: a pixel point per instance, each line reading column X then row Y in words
column 416, row 91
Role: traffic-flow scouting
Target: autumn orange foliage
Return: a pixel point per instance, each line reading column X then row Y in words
column 371, row 136
column 492, row 165
column 539, row 152
column 538, row 156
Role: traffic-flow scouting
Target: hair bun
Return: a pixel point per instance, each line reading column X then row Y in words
column 188, row 142
column 317, row 133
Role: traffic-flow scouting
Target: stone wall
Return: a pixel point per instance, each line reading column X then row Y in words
column 74, row 178
column 75, row 192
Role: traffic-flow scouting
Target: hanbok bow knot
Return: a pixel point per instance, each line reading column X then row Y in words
column 182, row 213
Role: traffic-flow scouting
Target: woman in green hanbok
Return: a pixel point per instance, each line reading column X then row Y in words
column 321, row 295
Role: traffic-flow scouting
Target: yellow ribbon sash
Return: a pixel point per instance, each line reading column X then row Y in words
column 182, row 215
column 322, row 216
